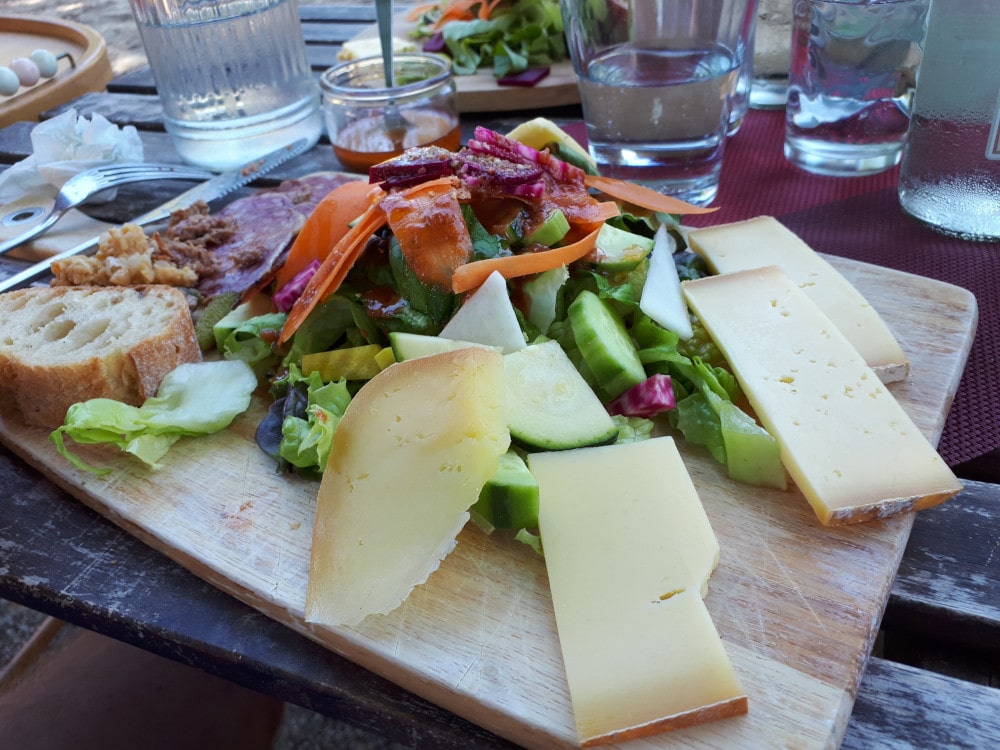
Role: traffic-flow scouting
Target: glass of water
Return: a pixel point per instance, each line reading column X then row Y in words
column 232, row 76
column 657, row 82
column 851, row 82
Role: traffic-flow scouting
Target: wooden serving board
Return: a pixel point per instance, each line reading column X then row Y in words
column 21, row 35
column 797, row 604
column 481, row 93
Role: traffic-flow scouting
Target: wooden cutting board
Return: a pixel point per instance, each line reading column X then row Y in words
column 797, row 604
column 90, row 69
column 481, row 93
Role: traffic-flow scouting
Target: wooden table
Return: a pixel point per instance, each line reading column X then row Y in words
column 63, row 559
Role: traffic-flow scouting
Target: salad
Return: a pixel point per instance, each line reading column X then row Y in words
column 514, row 38
column 574, row 277
column 382, row 269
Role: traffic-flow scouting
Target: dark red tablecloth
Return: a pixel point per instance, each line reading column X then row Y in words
column 860, row 218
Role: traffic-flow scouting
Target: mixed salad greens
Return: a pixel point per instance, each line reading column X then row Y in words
column 585, row 271
column 508, row 203
column 509, row 36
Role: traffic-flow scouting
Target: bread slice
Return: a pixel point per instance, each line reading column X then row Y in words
column 61, row 345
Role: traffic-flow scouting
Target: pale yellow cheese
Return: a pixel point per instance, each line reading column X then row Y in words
column 628, row 548
column 846, row 442
column 764, row 241
column 410, row 456
column 355, row 49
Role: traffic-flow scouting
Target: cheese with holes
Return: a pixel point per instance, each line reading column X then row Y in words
column 846, row 442
column 410, row 456
column 628, row 550
column 764, row 241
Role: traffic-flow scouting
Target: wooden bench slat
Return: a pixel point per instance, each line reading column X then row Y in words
column 903, row 707
column 948, row 584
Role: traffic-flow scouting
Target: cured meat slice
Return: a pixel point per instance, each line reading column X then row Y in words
column 265, row 224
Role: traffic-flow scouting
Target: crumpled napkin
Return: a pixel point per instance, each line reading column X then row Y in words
column 62, row 147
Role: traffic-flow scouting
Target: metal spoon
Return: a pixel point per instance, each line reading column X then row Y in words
column 395, row 124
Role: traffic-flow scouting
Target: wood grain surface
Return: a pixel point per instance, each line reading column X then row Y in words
column 480, row 92
column 20, row 35
column 797, row 604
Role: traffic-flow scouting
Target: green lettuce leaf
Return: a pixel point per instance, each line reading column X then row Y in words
column 194, row 399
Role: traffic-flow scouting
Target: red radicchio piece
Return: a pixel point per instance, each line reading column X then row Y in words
column 652, row 396
column 285, row 297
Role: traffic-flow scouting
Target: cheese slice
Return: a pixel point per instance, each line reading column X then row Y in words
column 846, row 442
column 764, row 241
column 410, row 456
column 628, row 550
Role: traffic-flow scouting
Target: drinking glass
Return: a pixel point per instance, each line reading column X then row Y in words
column 657, row 80
column 950, row 173
column 232, row 76
column 852, row 74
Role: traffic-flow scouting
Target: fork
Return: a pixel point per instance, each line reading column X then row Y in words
column 80, row 187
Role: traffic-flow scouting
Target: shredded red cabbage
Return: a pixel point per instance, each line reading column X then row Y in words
column 285, row 297
column 652, row 396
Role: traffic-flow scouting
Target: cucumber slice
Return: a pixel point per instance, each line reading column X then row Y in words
column 618, row 250
column 549, row 404
column 407, row 345
column 550, row 231
column 604, row 344
column 752, row 454
column 509, row 500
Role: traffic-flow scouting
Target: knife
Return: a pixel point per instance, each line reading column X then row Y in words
column 210, row 190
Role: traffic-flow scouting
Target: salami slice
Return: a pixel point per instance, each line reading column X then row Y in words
column 266, row 223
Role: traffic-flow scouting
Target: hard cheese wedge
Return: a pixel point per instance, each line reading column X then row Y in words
column 410, row 456
column 846, row 442
column 764, row 241
column 628, row 549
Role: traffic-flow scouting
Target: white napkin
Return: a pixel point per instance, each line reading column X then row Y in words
column 62, row 147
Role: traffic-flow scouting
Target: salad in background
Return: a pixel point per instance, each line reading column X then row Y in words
column 517, row 39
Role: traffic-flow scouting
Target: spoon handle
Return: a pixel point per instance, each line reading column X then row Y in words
column 383, row 14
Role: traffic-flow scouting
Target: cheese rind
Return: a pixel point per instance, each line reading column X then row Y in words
column 764, row 241
column 851, row 449
column 628, row 548
column 410, row 456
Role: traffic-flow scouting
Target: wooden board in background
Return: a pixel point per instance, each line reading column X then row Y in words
column 797, row 604
column 481, row 93
column 21, row 35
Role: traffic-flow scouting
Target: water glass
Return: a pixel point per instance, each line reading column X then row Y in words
column 851, row 81
column 657, row 80
column 772, row 54
column 368, row 121
column 950, row 173
column 232, row 76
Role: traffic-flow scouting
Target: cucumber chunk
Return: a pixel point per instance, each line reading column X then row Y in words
column 509, row 500
column 618, row 250
column 550, row 231
column 407, row 345
column 604, row 344
column 752, row 454
column 549, row 404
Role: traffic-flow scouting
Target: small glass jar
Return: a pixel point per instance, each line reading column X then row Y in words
column 369, row 122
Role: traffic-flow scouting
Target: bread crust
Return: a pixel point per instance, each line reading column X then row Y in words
column 62, row 345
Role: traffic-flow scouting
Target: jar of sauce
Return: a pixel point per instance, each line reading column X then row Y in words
column 369, row 122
